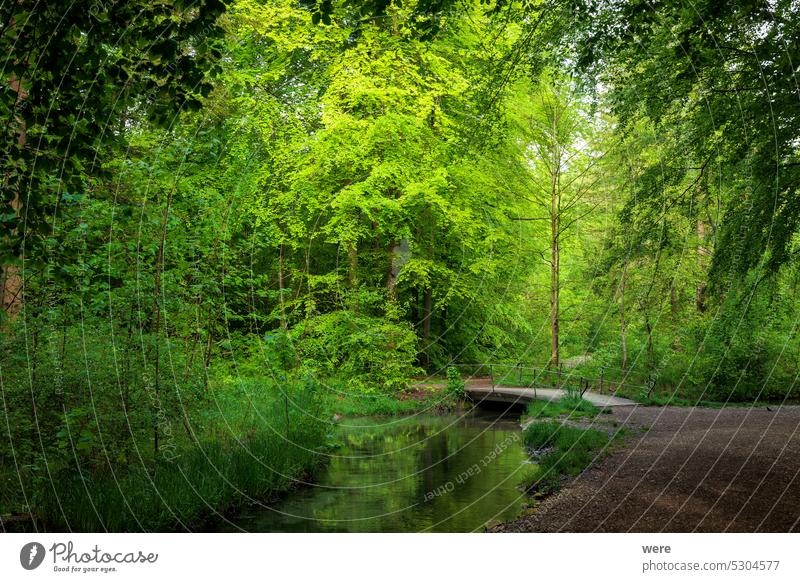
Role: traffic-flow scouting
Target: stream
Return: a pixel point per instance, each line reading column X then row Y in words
column 448, row 473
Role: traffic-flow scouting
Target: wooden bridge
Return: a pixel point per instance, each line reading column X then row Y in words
column 516, row 384
column 483, row 390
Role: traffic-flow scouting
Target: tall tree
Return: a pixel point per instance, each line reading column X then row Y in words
column 561, row 160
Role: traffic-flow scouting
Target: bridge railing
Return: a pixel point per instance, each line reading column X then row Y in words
column 606, row 381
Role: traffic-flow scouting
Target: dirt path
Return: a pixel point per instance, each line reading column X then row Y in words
column 734, row 469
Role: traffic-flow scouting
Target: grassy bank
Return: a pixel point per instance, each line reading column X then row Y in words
column 249, row 442
column 561, row 447
column 433, row 397
column 153, row 440
column 386, row 405
column 377, row 405
column 211, row 478
column 569, row 406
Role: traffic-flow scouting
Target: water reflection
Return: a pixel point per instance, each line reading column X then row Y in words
column 424, row 473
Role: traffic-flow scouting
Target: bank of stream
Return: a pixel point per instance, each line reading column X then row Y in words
column 448, row 473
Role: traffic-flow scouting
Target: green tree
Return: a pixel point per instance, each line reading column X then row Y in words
column 71, row 80
column 556, row 143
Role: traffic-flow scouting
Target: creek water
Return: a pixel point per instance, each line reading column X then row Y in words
column 451, row 473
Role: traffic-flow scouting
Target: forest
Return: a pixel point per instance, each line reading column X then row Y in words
column 228, row 224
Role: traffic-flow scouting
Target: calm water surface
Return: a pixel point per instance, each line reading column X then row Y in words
column 449, row 473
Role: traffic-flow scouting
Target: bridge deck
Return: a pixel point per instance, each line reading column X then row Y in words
column 485, row 391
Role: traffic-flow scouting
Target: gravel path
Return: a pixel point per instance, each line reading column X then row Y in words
column 693, row 469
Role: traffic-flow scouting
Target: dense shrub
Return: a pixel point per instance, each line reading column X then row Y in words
column 370, row 353
column 748, row 351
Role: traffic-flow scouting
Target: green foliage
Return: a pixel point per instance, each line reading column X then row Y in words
column 377, row 404
column 563, row 437
column 565, row 451
column 367, row 194
column 254, row 447
column 529, row 477
column 455, row 384
column 126, row 57
column 569, row 406
column 371, row 354
column 93, row 467
column 694, row 72
column 69, row 398
column 744, row 353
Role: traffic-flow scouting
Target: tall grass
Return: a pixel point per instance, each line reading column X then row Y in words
column 376, row 405
column 570, row 405
column 345, row 403
column 250, row 448
column 564, row 451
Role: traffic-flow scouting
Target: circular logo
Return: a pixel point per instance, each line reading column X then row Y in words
column 31, row 555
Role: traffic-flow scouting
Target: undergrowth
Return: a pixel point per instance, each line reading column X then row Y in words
column 561, row 451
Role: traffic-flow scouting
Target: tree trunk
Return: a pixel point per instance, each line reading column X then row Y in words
column 10, row 276
column 554, row 297
column 673, row 299
column 702, row 252
column 651, row 356
column 207, row 354
column 427, row 309
column 352, row 265
column 156, row 320
column 555, row 254
column 12, row 284
column 155, row 329
column 394, row 269
column 394, row 265
column 284, row 323
column 622, row 333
